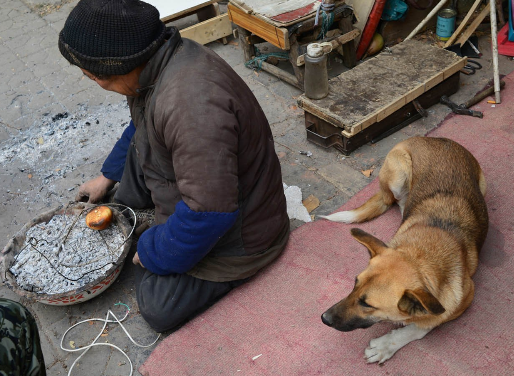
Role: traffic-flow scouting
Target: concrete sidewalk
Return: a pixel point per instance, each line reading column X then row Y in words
column 56, row 127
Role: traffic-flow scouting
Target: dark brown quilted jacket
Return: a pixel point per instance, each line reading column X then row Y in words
column 202, row 137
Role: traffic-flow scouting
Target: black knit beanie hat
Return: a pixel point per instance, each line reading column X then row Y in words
column 111, row 37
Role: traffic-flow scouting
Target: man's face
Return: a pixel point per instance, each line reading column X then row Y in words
column 121, row 84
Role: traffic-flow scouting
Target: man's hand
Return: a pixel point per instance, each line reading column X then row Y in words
column 137, row 261
column 95, row 189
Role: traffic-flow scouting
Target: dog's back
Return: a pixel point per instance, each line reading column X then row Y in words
column 436, row 182
column 447, row 188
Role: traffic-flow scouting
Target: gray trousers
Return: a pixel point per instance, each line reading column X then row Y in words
column 165, row 302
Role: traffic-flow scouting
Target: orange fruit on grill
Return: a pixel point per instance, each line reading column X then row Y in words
column 99, row 218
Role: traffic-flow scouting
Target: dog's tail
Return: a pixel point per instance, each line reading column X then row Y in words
column 372, row 208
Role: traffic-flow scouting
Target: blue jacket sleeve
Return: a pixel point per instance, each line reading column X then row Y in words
column 115, row 162
column 186, row 237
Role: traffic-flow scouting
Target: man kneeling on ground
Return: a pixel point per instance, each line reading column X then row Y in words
column 199, row 149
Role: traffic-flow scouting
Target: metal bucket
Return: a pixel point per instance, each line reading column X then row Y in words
column 445, row 23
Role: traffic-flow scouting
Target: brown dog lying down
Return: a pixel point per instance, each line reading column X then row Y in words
column 422, row 277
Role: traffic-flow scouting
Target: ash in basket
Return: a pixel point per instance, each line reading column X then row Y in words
column 59, row 253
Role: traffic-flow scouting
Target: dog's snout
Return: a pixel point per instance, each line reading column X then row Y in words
column 327, row 319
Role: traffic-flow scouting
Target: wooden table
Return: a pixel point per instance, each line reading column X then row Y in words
column 259, row 21
column 382, row 94
column 212, row 24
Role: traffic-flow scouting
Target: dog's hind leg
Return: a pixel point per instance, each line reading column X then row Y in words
column 395, row 180
column 396, row 176
column 383, row 348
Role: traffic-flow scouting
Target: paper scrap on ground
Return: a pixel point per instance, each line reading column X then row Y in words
column 295, row 208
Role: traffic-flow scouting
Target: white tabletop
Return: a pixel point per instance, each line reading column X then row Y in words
column 169, row 7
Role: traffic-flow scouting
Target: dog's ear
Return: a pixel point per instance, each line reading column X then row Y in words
column 419, row 302
column 375, row 246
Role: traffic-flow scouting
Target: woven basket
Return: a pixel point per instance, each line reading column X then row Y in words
column 83, row 293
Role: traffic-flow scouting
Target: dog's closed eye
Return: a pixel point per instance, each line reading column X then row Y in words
column 362, row 303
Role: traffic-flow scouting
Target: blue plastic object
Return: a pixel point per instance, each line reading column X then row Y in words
column 394, row 10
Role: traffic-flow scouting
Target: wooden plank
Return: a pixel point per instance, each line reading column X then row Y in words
column 348, row 49
column 365, row 123
column 208, row 31
column 455, row 68
column 464, row 22
column 392, row 107
column 434, row 80
column 473, row 26
column 345, row 38
column 414, row 93
column 282, row 74
column 277, row 36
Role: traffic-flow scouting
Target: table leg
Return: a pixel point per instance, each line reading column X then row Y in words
column 207, row 12
column 248, row 48
column 349, row 50
column 299, row 72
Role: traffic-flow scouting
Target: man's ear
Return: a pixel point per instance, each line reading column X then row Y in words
column 374, row 245
column 419, row 302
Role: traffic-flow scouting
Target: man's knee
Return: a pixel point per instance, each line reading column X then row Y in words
column 161, row 300
column 160, row 320
column 167, row 302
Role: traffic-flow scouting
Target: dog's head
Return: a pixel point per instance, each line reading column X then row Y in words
column 389, row 289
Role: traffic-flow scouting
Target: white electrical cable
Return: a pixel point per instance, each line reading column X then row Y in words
column 85, row 349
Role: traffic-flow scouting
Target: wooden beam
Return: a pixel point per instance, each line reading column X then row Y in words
column 345, row 38
column 277, row 36
column 348, row 49
column 463, row 23
column 282, row 74
column 246, row 46
column 473, row 26
column 208, row 31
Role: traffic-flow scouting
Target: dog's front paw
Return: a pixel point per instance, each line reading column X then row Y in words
column 380, row 349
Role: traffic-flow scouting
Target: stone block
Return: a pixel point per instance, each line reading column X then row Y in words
column 345, row 178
